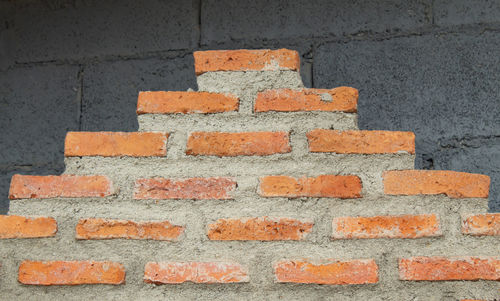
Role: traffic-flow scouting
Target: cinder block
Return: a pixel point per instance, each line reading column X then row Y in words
column 45, row 31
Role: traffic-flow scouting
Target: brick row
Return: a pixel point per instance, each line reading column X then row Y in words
column 396, row 182
column 253, row 228
column 229, row 144
column 330, row 272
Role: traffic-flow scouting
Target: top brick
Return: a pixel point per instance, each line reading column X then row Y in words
column 246, row 60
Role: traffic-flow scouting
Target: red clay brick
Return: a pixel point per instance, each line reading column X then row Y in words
column 341, row 99
column 167, row 102
column 245, row 60
column 98, row 228
column 259, row 228
column 193, row 188
column 12, row 226
column 454, row 268
column 197, row 272
column 361, row 271
column 332, row 186
column 71, row 272
column 114, row 144
column 481, row 224
column 453, row 184
column 64, row 186
column 402, row 226
column 360, row 142
column 238, row 144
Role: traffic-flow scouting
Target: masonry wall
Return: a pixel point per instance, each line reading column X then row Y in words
column 430, row 67
column 251, row 188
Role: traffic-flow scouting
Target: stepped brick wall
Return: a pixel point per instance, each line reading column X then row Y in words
column 252, row 188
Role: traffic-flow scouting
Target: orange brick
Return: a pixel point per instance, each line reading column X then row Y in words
column 197, row 272
column 360, row 142
column 342, row 99
column 259, row 228
column 454, row 268
column 64, row 186
column 162, row 102
column 238, row 144
column 481, row 224
column 453, row 184
column 402, row 226
column 71, row 272
column 193, row 188
column 333, row 186
column 113, row 144
column 98, row 228
column 246, row 60
column 361, row 271
column 12, row 226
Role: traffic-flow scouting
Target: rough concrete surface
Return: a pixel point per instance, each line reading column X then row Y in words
column 66, row 29
column 267, row 19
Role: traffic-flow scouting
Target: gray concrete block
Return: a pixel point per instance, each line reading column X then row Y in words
column 453, row 12
column 55, row 30
column 39, row 105
column 223, row 21
column 436, row 86
column 476, row 155
column 111, row 89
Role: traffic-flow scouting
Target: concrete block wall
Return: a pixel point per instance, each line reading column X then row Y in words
column 424, row 66
column 251, row 188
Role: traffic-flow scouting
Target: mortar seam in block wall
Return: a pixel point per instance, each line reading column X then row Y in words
column 256, row 186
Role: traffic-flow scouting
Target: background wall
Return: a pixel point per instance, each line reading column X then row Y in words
column 430, row 66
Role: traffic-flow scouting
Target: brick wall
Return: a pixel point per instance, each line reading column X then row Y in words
column 252, row 187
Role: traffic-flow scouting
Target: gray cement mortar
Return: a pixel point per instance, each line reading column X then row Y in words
column 258, row 257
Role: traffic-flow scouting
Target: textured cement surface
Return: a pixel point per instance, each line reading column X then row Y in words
column 430, row 66
column 195, row 215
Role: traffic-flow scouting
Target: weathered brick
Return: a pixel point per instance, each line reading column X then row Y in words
column 259, row 228
column 238, row 144
column 342, row 99
column 197, row 272
column 453, row 268
column 165, row 102
column 333, row 186
column 453, row 184
column 64, row 186
column 360, row 142
column 192, row 188
column 360, row 271
column 402, row 226
column 481, row 224
column 112, row 144
column 246, row 60
column 71, row 272
column 98, row 228
column 12, row 226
